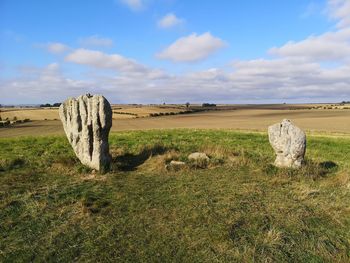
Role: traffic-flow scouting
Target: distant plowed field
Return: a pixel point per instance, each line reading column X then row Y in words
column 320, row 120
column 313, row 120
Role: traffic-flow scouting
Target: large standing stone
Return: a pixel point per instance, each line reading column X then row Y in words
column 289, row 143
column 86, row 122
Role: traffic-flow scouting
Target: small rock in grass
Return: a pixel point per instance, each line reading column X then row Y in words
column 175, row 165
column 199, row 159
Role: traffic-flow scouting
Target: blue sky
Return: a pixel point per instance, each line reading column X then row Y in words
column 150, row 51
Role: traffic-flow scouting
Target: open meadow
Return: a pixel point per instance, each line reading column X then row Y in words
column 240, row 208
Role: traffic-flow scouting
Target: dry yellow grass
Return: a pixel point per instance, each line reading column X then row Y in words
column 122, row 116
column 145, row 111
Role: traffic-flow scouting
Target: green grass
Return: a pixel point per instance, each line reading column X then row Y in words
column 241, row 208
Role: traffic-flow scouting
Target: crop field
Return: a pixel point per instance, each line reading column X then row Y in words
column 245, row 119
column 119, row 112
column 131, row 111
column 144, row 111
column 238, row 209
column 314, row 119
column 29, row 113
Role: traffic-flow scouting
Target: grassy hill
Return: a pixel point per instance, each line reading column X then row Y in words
column 241, row 208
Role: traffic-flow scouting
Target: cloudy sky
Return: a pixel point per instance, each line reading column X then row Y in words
column 174, row 51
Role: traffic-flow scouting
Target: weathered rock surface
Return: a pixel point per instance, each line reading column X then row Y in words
column 199, row 159
column 86, row 122
column 175, row 165
column 289, row 143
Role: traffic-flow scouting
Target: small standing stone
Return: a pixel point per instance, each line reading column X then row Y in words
column 289, row 143
column 86, row 122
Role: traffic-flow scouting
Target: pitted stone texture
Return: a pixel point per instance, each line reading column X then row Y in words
column 86, row 122
column 175, row 165
column 289, row 143
column 199, row 159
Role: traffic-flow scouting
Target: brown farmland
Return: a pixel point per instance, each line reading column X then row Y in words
column 245, row 117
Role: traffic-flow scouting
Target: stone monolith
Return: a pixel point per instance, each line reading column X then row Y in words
column 289, row 143
column 86, row 122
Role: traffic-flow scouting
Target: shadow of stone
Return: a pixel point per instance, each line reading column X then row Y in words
column 129, row 162
column 310, row 169
column 328, row 165
column 323, row 169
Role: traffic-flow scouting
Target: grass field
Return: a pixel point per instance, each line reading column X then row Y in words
column 239, row 209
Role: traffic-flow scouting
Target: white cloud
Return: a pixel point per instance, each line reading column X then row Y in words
column 256, row 80
column 340, row 10
column 102, row 60
column 96, row 41
column 126, row 67
column 134, row 5
column 260, row 80
column 40, row 85
column 169, row 20
column 325, row 47
column 56, row 48
column 192, row 48
column 332, row 46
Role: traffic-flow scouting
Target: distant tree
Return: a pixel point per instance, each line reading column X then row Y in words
column 57, row 104
column 45, row 105
column 208, row 105
column 187, row 104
